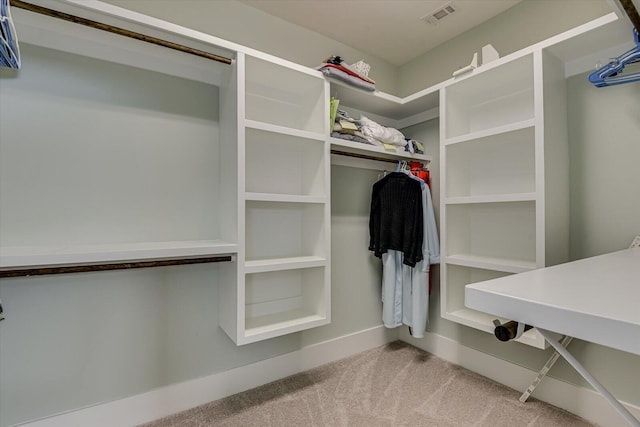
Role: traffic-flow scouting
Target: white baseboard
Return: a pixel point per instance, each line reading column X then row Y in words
column 585, row 403
column 179, row 397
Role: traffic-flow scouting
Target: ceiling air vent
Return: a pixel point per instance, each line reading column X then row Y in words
column 440, row 13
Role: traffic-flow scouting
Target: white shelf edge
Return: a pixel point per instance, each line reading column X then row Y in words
column 386, row 105
column 48, row 256
column 490, row 263
column 287, row 198
column 393, row 99
column 268, row 127
column 484, row 322
column 491, row 198
column 279, row 264
column 357, row 147
column 511, row 127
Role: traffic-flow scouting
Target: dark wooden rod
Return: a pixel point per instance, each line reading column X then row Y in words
column 632, row 13
column 116, row 30
column 107, row 267
column 369, row 157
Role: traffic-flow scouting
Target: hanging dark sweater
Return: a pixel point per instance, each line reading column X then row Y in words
column 395, row 220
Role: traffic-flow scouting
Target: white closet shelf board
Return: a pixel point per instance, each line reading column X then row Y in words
column 529, row 123
column 484, row 322
column 279, row 264
column 286, row 198
column 387, row 105
column 273, row 325
column 490, row 263
column 491, row 198
column 32, row 257
column 360, row 148
column 593, row 299
column 253, row 124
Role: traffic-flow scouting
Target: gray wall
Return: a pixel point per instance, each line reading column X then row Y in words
column 527, row 23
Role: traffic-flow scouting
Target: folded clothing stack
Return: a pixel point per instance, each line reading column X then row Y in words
column 370, row 132
column 346, row 127
column 337, row 69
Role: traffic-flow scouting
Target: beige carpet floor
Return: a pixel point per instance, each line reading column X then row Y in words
column 393, row 385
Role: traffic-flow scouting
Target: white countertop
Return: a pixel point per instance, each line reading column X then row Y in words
column 595, row 299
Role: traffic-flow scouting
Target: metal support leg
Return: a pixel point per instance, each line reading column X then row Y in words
column 546, row 368
column 590, row 379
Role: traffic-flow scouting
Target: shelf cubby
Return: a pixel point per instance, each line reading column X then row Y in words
column 504, row 230
column 494, row 98
column 455, row 310
column 283, row 230
column 503, row 163
column 460, row 276
column 279, row 302
column 284, row 96
column 284, row 164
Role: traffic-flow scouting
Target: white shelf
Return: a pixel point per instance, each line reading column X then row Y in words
column 272, row 325
column 291, row 162
column 511, row 127
column 278, row 264
column 284, row 130
column 387, row 105
column 490, row 263
column 40, row 256
column 484, row 322
column 360, row 148
column 491, row 198
column 283, row 230
column 496, row 230
column 498, row 97
column 493, row 165
column 284, row 198
column 284, row 96
column 285, row 300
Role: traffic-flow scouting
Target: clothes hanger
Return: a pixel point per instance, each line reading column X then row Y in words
column 610, row 74
column 9, row 50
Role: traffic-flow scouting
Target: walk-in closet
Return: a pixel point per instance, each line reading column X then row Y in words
column 243, row 212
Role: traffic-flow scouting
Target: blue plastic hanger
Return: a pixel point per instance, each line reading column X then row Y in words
column 9, row 50
column 609, row 75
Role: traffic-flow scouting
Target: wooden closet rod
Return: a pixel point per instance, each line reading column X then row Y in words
column 107, row 267
column 632, row 13
column 116, row 30
column 376, row 158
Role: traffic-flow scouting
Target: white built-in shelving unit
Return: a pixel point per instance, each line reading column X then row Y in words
column 495, row 179
column 283, row 281
column 504, row 167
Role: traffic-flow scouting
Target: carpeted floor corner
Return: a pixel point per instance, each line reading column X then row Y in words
column 393, row 385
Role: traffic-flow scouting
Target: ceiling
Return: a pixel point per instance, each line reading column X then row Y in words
column 389, row 29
